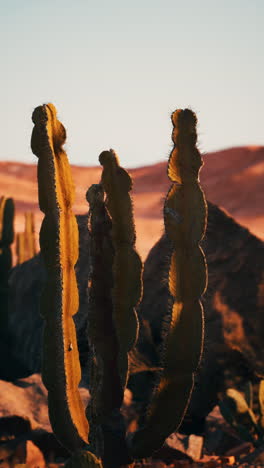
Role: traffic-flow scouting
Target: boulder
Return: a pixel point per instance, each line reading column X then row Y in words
column 233, row 307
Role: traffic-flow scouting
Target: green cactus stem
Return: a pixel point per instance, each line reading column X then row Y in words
column 185, row 214
column 61, row 371
column 127, row 264
column 101, row 331
column 107, row 433
column 6, row 239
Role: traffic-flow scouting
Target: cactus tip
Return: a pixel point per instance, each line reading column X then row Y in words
column 108, row 157
column 95, row 193
column 184, row 121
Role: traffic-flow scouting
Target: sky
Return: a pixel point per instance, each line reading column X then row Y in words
column 116, row 70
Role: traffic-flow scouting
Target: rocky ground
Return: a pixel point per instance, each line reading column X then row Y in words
column 26, row 436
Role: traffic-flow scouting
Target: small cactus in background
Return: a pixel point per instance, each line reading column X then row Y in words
column 236, row 408
column 20, row 248
column 6, row 239
column 115, row 291
column 30, row 234
column 25, row 241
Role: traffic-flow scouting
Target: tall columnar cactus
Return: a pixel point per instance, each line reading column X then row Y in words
column 185, row 213
column 6, row 239
column 106, row 391
column 116, row 288
column 61, row 371
column 127, row 265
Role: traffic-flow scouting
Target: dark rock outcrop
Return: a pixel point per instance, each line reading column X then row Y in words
column 233, row 306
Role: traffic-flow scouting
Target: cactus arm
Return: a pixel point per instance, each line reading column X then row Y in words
column 185, row 222
column 127, row 266
column 106, row 421
column 6, row 239
column 101, row 331
column 61, row 371
column 7, row 210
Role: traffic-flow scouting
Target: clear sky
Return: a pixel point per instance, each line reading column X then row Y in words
column 116, row 70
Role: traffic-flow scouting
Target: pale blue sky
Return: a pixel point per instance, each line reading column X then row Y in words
column 116, row 70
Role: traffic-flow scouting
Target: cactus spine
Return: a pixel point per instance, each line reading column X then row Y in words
column 59, row 246
column 185, row 222
column 6, row 239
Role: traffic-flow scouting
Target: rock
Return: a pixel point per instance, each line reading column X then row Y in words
column 233, row 307
column 34, row 456
column 25, row 432
column 26, row 399
column 191, row 445
column 234, row 315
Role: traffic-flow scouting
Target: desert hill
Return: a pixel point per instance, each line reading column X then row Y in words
column 231, row 178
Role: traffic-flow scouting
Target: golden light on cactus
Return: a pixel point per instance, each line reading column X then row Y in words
column 59, row 246
column 127, row 266
column 185, row 214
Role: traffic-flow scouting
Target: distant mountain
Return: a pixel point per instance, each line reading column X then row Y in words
column 231, row 178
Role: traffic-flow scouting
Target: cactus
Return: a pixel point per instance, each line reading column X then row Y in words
column 127, row 264
column 25, row 241
column 115, row 291
column 20, row 247
column 6, row 239
column 61, row 371
column 185, row 213
column 237, row 411
column 30, row 234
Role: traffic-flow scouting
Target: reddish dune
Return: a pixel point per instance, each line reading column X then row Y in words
column 232, row 178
